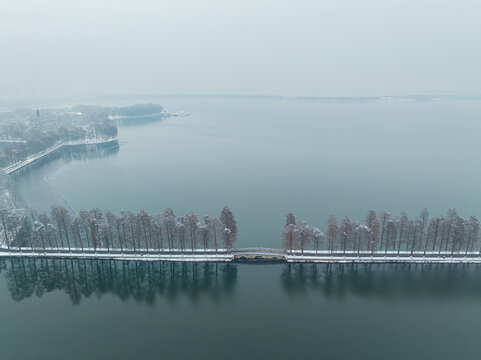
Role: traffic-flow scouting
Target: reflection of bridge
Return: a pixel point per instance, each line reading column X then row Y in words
column 248, row 255
column 32, row 158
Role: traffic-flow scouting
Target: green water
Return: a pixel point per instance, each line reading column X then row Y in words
column 78, row 310
column 263, row 158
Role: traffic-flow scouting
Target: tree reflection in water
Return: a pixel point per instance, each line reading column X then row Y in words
column 142, row 281
column 383, row 281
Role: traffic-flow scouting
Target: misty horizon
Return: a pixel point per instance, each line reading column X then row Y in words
column 53, row 49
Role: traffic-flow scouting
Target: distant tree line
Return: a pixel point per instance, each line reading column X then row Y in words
column 38, row 129
column 96, row 229
column 383, row 232
column 137, row 110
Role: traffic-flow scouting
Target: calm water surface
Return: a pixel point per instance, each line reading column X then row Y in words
column 263, row 158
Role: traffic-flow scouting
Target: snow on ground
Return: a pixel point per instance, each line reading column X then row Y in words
column 222, row 255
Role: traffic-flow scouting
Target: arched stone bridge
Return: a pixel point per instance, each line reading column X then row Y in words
column 259, row 254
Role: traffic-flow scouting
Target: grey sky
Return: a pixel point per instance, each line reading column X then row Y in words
column 54, row 48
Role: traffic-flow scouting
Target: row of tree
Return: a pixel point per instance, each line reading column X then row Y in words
column 95, row 229
column 383, row 232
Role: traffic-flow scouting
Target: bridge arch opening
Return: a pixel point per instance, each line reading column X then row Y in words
column 259, row 257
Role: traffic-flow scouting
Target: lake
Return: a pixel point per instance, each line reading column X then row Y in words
column 263, row 158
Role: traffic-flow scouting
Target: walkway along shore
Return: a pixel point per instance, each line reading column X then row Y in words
column 248, row 255
column 33, row 158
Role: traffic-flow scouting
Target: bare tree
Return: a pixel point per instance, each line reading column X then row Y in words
column 447, row 225
column 415, row 227
column 371, row 219
column 103, row 235
column 290, row 237
column 49, row 230
column 424, row 221
column 374, row 232
column 305, row 233
column 228, row 221
column 402, row 224
column 157, row 231
column 432, row 234
column 4, row 214
column 124, row 222
column 332, row 231
column 94, row 225
column 450, row 224
column 115, row 223
column 168, row 223
column 226, row 234
column 391, row 234
column 62, row 218
column 55, row 214
column 131, row 226
column 473, row 233
column 51, row 234
column 317, row 236
column 25, row 231
column 290, row 219
column 361, row 233
column 357, row 236
column 384, row 217
column 85, row 217
column 214, row 225
column 458, row 237
column 346, row 233
column 39, row 230
column 191, row 222
column 75, row 229
column 203, row 230
column 180, row 228
column 146, row 223
column 370, row 216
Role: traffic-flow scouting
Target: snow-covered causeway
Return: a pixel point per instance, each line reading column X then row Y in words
column 264, row 255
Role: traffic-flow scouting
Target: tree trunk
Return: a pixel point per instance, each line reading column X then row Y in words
column 414, row 241
column 467, row 243
column 66, row 233
column 215, row 238
column 132, row 232
column 87, row 235
column 435, row 234
column 5, row 232
column 43, row 243
column 447, row 239
column 79, row 236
